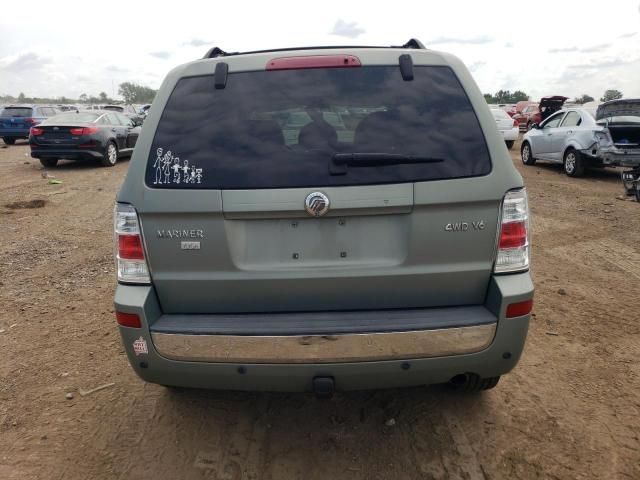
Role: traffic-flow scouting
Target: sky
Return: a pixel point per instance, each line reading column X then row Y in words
column 543, row 47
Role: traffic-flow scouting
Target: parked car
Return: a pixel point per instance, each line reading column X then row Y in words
column 95, row 135
column 536, row 113
column 580, row 138
column 519, row 106
column 67, row 108
column 547, row 107
column 522, row 111
column 507, row 126
column 128, row 110
column 16, row 120
column 400, row 257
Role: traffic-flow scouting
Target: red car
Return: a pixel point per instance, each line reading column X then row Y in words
column 523, row 112
column 535, row 113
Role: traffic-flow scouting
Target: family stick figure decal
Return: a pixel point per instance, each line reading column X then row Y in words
column 182, row 171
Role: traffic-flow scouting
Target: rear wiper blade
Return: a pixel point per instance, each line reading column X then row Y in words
column 340, row 161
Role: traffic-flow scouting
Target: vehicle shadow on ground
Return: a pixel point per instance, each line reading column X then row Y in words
column 606, row 174
column 398, row 433
column 70, row 165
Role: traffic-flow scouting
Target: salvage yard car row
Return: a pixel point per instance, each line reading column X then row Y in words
column 103, row 134
column 581, row 138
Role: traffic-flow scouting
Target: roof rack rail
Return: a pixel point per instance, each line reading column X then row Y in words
column 414, row 43
column 218, row 52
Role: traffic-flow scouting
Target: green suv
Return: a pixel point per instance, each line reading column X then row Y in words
column 322, row 218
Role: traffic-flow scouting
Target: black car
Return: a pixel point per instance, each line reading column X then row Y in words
column 99, row 135
column 128, row 110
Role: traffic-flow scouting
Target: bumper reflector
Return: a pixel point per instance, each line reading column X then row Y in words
column 128, row 319
column 519, row 309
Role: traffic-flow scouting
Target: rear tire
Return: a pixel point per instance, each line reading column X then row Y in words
column 110, row 157
column 526, row 154
column 9, row 140
column 49, row 162
column 510, row 144
column 472, row 383
column 638, row 192
column 573, row 163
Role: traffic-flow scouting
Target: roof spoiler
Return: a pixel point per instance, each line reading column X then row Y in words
column 218, row 52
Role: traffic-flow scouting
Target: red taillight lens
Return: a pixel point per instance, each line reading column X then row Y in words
column 516, row 123
column 128, row 319
column 83, row 131
column 36, row 131
column 313, row 61
column 130, row 261
column 513, row 234
column 519, row 309
column 513, row 244
column 130, row 247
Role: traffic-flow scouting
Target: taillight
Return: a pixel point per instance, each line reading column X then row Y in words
column 513, row 243
column 35, row 131
column 83, row 130
column 131, row 263
column 31, row 121
column 313, row 61
column 516, row 123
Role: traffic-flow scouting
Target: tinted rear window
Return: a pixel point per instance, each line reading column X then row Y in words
column 16, row 112
column 83, row 117
column 278, row 129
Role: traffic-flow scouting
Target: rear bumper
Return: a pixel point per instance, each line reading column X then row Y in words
column 351, row 347
column 66, row 153
column 615, row 157
column 482, row 342
column 511, row 135
column 14, row 133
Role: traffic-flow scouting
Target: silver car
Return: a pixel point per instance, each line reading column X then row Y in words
column 579, row 138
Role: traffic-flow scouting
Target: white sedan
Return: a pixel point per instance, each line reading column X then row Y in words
column 507, row 126
column 579, row 138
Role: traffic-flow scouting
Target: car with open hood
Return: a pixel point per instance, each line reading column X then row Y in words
column 580, row 138
column 547, row 107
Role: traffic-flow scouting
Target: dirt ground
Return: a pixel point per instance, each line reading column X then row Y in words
column 569, row 410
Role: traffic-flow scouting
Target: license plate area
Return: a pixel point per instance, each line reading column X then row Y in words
column 277, row 244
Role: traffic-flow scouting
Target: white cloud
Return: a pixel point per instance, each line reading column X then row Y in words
column 347, row 29
column 46, row 60
column 197, row 42
column 477, row 40
column 162, row 54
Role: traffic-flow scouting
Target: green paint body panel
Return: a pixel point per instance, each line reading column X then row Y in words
column 379, row 247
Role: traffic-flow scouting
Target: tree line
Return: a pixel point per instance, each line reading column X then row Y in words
column 130, row 92
column 506, row 96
